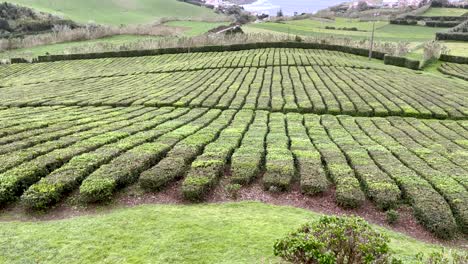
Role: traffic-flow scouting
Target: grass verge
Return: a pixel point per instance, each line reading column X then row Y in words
column 208, row 233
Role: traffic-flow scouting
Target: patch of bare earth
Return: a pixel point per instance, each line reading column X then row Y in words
column 323, row 203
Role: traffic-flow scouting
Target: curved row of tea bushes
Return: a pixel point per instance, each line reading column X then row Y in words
column 314, row 89
column 207, row 168
column 125, row 169
column 179, row 158
column 313, row 179
column 15, row 180
column 120, row 118
column 392, row 160
column 279, row 164
column 455, row 69
column 64, row 127
column 454, row 193
column 378, row 186
column 17, row 74
column 51, row 189
column 429, row 206
column 247, row 161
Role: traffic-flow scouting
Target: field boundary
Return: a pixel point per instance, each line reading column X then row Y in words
column 289, row 111
column 212, row 48
column 454, row 59
column 218, row 48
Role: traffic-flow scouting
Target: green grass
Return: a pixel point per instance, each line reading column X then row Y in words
column 437, row 11
column 457, row 48
column 116, row 12
column 195, row 28
column 215, row 233
column 384, row 31
column 61, row 48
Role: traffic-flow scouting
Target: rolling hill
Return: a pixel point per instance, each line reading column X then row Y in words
column 116, row 12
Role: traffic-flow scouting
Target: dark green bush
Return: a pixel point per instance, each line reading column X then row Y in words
column 452, row 36
column 392, row 216
column 454, row 59
column 334, row 239
column 403, row 22
column 442, row 23
column 401, row 62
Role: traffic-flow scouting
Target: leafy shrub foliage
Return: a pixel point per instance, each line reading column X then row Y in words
column 334, row 239
column 392, row 216
column 443, row 257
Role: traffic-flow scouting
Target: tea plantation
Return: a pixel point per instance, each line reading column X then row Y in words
column 321, row 119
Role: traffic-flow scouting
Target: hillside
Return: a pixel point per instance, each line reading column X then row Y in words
column 118, row 12
column 280, row 119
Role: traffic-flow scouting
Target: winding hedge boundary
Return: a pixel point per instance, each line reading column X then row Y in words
column 402, row 62
column 454, row 59
column 218, row 48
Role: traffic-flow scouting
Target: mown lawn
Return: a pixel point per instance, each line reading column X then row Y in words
column 208, row 233
column 437, row 11
column 116, row 12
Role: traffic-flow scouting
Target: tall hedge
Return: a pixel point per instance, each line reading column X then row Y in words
column 454, row 59
column 401, row 62
column 218, row 48
column 452, row 36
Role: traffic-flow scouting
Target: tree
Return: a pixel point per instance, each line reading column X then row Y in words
column 362, row 6
column 280, row 13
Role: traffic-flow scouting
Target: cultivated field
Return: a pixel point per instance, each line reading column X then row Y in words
column 455, row 69
column 322, row 120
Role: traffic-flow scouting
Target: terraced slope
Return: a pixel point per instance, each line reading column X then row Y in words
column 318, row 119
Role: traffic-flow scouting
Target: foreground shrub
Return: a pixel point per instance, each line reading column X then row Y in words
column 334, row 239
column 443, row 257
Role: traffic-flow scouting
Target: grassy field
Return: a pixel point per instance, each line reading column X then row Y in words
column 119, row 12
column 384, row 31
column 219, row 233
column 436, row 11
column 194, row 28
column 262, row 114
column 63, row 48
column 191, row 29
